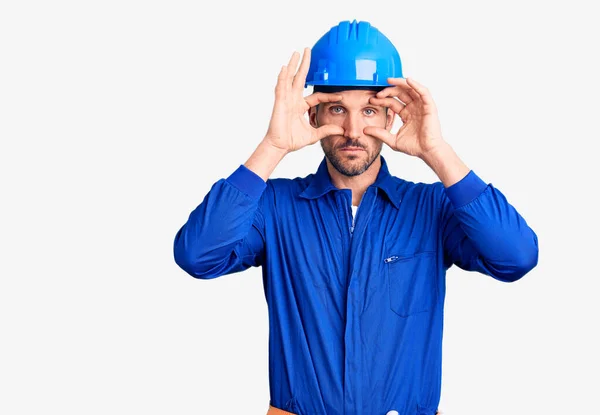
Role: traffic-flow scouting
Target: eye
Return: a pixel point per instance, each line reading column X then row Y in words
column 336, row 109
column 372, row 111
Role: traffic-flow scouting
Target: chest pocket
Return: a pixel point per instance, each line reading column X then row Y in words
column 411, row 282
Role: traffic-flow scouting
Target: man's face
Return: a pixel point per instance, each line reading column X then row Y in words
column 352, row 153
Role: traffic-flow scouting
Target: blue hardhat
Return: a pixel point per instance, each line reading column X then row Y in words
column 353, row 54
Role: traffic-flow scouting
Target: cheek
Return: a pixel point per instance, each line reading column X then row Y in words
column 373, row 143
column 326, row 118
column 378, row 121
column 326, row 142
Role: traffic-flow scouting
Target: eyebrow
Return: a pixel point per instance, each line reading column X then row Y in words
column 367, row 104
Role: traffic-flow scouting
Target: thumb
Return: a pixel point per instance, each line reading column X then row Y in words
column 381, row 134
column 329, row 129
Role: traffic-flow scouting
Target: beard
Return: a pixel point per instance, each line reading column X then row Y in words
column 353, row 165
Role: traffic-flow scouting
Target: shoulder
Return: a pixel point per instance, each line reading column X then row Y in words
column 414, row 189
column 283, row 184
column 286, row 190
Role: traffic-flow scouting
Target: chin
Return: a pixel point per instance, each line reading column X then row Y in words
column 352, row 155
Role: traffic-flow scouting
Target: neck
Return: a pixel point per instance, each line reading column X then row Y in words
column 358, row 184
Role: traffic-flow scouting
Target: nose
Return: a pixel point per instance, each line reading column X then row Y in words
column 352, row 128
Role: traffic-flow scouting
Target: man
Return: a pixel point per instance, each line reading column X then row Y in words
column 353, row 258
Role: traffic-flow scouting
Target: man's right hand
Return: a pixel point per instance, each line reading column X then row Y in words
column 289, row 130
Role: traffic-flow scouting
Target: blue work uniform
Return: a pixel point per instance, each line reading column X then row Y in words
column 355, row 312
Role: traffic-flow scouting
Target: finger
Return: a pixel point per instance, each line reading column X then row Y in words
column 293, row 63
column 397, row 82
column 381, row 134
column 391, row 103
column 396, row 91
column 329, row 129
column 415, row 95
column 300, row 78
column 321, row 97
column 292, row 66
column 280, row 87
column 416, row 86
column 403, row 85
column 421, row 90
column 404, row 96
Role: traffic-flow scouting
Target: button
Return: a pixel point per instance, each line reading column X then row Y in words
column 392, row 413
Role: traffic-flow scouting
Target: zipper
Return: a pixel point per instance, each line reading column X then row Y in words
column 352, row 226
column 395, row 258
column 349, row 210
column 391, row 259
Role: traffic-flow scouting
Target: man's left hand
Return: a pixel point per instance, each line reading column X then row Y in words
column 421, row 131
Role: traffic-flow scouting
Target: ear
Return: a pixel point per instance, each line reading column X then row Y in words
column 389, row 119
column 312, row 116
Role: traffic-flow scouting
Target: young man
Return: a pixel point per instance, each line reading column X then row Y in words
column 353, row 258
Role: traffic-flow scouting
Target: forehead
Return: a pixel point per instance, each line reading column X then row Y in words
column 354, row 97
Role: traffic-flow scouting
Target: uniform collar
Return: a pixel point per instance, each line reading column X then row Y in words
column 321, row 183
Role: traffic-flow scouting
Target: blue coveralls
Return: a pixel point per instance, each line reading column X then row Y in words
column 355, row 314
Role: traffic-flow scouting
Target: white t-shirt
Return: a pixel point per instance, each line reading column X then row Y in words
column 354, row 209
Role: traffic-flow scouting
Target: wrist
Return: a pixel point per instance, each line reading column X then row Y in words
column 264, row 159
column 446, row 164
column 269, row 145
column 437, row 152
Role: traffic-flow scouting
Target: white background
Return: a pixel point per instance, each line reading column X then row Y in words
column 116, row 117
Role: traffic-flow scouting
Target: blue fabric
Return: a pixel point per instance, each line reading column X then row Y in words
column 356, row 316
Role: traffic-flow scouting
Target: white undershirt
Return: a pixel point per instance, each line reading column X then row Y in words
column 354, row 209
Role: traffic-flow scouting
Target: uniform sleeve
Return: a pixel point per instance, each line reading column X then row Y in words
column 225, row 233
column 482, row 232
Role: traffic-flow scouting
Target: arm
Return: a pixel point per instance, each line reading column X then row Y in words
column 226, row 232
column 481, row 231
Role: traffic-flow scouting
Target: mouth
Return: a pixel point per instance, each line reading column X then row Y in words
column 352, row 149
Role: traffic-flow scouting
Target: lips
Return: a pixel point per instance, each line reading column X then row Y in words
column 351, row 149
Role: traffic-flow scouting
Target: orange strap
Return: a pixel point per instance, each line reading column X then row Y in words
column 277, row 411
